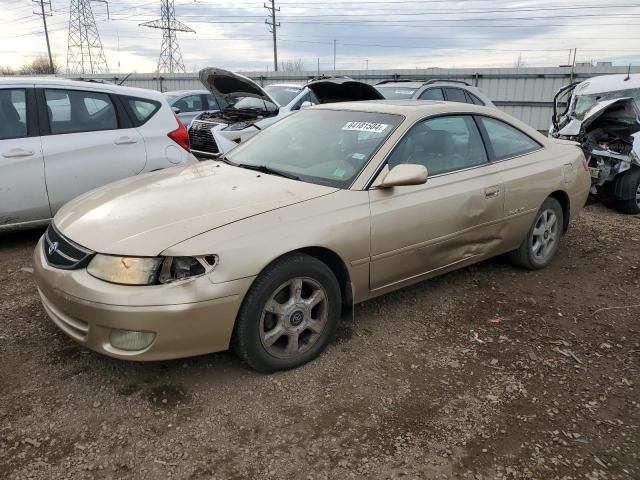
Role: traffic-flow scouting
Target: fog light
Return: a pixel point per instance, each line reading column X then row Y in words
column 131, row 340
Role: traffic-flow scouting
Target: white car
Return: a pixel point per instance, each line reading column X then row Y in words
column 60, row 138
column 603, row 115
column 251, row 108
column 188, row 104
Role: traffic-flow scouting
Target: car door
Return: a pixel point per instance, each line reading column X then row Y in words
column 454, row 218
column 88, row 142
column 527, row 170
column 23, row 192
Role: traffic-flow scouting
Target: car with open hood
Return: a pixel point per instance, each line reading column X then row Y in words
column 603, row 115
column 250, row 108
column 265, row 248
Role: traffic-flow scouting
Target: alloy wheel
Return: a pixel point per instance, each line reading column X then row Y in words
column 545, row 235
column 294, row 317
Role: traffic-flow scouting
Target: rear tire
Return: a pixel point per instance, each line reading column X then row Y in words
column 543, row 238
column 631, row 205
column 289, row 314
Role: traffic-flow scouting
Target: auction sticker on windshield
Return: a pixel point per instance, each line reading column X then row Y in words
column 365, row 127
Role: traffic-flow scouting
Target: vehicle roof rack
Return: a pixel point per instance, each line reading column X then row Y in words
column 422, row 81
column 437, row 80
column 400, row 80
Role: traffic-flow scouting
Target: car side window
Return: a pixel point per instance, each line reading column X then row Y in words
column 432, row 94
column 72, row 111
column 455, row 95
column 190, row 103
column 13, row 113
column 309, row 97
column 507, row 141
column 442, row 144
column 212, row 103
column 141, row 109
column 471, row 98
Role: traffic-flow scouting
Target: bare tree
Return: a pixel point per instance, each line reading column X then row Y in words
column 295, row 65
column 40, row 66
column 519, row 63
column 7, row 70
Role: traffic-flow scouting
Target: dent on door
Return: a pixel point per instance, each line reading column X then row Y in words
column 418, row 231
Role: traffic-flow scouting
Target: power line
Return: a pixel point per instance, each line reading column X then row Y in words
column 170, row 59
column 84, row 47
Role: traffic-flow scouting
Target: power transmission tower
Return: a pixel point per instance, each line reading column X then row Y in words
column 272, row 28
column 84, row 50
column 170, row 57
column 46, row 30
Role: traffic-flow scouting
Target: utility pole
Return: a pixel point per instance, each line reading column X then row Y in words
column 46, row 30
column 334, row 54
column 272, row 28
column 170, row 59
column 573, row 64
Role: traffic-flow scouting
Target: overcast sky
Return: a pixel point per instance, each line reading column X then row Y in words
column 389, row 34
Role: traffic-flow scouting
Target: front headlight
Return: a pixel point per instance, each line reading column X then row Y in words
column 148, row 270
column 238, row 126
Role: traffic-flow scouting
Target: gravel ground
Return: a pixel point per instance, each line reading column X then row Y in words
column 490, row 372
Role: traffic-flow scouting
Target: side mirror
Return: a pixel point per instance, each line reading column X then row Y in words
column 176, row 110
column 306, row 105
column 404, row 174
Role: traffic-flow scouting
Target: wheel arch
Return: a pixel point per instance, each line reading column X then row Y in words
column 335, row 263
column 565, row 202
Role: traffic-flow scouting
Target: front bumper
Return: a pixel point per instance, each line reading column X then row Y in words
column 188, row 318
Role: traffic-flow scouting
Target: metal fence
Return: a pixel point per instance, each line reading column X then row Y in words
column 525, row 93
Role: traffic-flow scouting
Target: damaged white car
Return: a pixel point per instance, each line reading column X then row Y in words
column 603, row 115
column 252, row 108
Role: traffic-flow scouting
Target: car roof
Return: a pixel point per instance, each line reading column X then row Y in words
column 419, row 83
column 608, row 83
column 186, row 92
column 91, row 85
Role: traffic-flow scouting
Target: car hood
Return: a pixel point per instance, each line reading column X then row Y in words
column 345, row 89
column 230, row 86
column 146, row 214
column 608, row 111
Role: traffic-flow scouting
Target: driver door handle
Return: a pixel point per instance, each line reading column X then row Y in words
column 18, row 152
column 492, row 192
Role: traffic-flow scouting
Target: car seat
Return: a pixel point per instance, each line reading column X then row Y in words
column 11, row 126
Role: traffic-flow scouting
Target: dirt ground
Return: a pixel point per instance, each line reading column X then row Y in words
column 490, row 372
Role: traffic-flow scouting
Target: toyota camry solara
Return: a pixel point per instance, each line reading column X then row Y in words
column 264, row 249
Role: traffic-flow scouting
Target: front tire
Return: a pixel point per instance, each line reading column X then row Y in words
column 543, row 238
column 289, row 314
column 632, row 204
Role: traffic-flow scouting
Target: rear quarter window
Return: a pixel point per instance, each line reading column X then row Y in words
column 507, row 141
column 141, row 110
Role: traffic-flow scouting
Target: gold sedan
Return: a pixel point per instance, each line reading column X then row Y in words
column 334, row 205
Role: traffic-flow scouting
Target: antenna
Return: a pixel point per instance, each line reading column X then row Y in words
column 170, row 60
column 84, row 50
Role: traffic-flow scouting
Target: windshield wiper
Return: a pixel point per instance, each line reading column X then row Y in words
column 268, row 170
column 224, row 159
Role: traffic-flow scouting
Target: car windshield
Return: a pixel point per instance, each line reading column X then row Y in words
column 327, row 147
column 582, row 103
column 397, row 93
column 171, row 96
column 282, row 94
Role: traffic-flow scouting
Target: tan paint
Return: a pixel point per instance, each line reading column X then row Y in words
column 386, row 237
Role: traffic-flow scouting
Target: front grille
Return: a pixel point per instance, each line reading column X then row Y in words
column 61, row 252
column 200, row 137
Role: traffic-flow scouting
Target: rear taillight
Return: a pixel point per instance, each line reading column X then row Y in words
column 180, row 135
